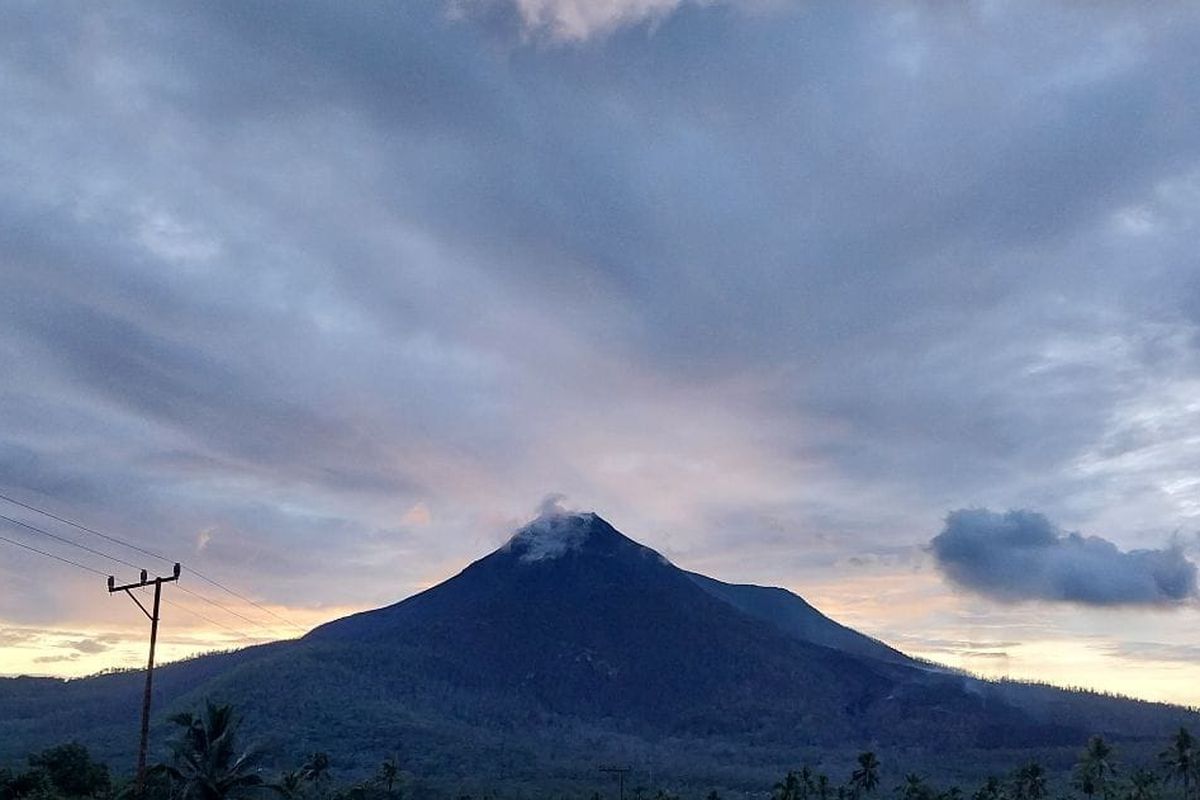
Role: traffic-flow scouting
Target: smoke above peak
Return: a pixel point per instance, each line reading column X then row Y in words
column 552, row 506
column 1022, row 555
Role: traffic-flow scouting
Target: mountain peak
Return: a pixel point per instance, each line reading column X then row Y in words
column 554, row 534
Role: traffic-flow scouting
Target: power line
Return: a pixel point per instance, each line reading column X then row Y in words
column 85, row 528
column 244, row 598
column 51, row 555
column 204, row 617
column 86, row 568
column 208, row 619
column 152, row 554
column 224, row 608
column 64, row 540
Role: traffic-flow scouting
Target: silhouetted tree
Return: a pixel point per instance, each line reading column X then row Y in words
column 206, row 764
column 1095, row 767
column 291, row 785
column 914, row 788
column 822, row 786
column 1029, row 782
column 34, row 783
column 315, row 769
column 789, row 788
column 72, row 771
column 1143, row 785
column 389, row 771
column 865, row 779
column 992, row 789
column 807, row 784
column 1182, row 762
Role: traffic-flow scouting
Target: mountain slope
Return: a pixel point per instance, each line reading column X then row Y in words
column 585, row 621
column 794, row 616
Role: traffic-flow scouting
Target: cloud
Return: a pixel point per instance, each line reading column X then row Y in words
column 89, row 646
column 576, row 20
column 55, row 659
column 1022, row 555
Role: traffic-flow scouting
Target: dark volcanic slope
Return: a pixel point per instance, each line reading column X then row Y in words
column 795, row 617
column 581, row 619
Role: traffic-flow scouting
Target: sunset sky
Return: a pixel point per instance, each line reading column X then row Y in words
column 324, row 299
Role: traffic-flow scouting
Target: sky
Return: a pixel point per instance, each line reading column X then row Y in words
column 894, row 305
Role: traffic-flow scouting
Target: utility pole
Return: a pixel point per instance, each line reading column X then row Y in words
column 620, row 773
column 157, row 583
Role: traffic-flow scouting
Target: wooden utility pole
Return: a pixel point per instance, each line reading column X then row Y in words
column 157, row 583
column 620, row 773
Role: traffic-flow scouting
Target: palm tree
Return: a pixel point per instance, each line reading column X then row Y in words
column 1182, row 761
column 789, row 788
column 914, row 787
column 865, row 779
column 807, row 785
column 389, row 771
column 1029, row 782
column 291, row 785
column 1143, row 785
column 315, row 768
column 1094, row 768
column 822, row 787
column 206, row 764
column 991, row 789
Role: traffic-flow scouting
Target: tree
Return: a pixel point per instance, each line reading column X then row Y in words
column 789, row 788
column 1094, row 768
column 206, row 763
column 315, row 768
column 865, row 779
column 822, row 787
column 291, row 785
column 34, row 783
column 389, row 771
column 914, row 788
column 991, row 789
column 808, row 786
column 1182, row 761
column 1029, row 782
column 72, row 772
column 1143, row 785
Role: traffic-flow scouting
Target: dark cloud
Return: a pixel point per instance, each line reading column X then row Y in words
column 1021, row 555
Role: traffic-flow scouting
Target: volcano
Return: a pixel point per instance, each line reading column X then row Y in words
column 573, row 643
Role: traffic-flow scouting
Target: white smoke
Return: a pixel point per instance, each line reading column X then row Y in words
column 555, row 531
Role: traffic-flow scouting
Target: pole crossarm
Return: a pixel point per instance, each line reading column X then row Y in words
column 145, row 581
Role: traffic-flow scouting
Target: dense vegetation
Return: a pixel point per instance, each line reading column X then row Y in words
column 207, row 762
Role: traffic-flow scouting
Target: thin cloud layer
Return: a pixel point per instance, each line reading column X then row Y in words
column 1021, row 555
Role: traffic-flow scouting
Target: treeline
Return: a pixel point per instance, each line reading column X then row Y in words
column 206, row 763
